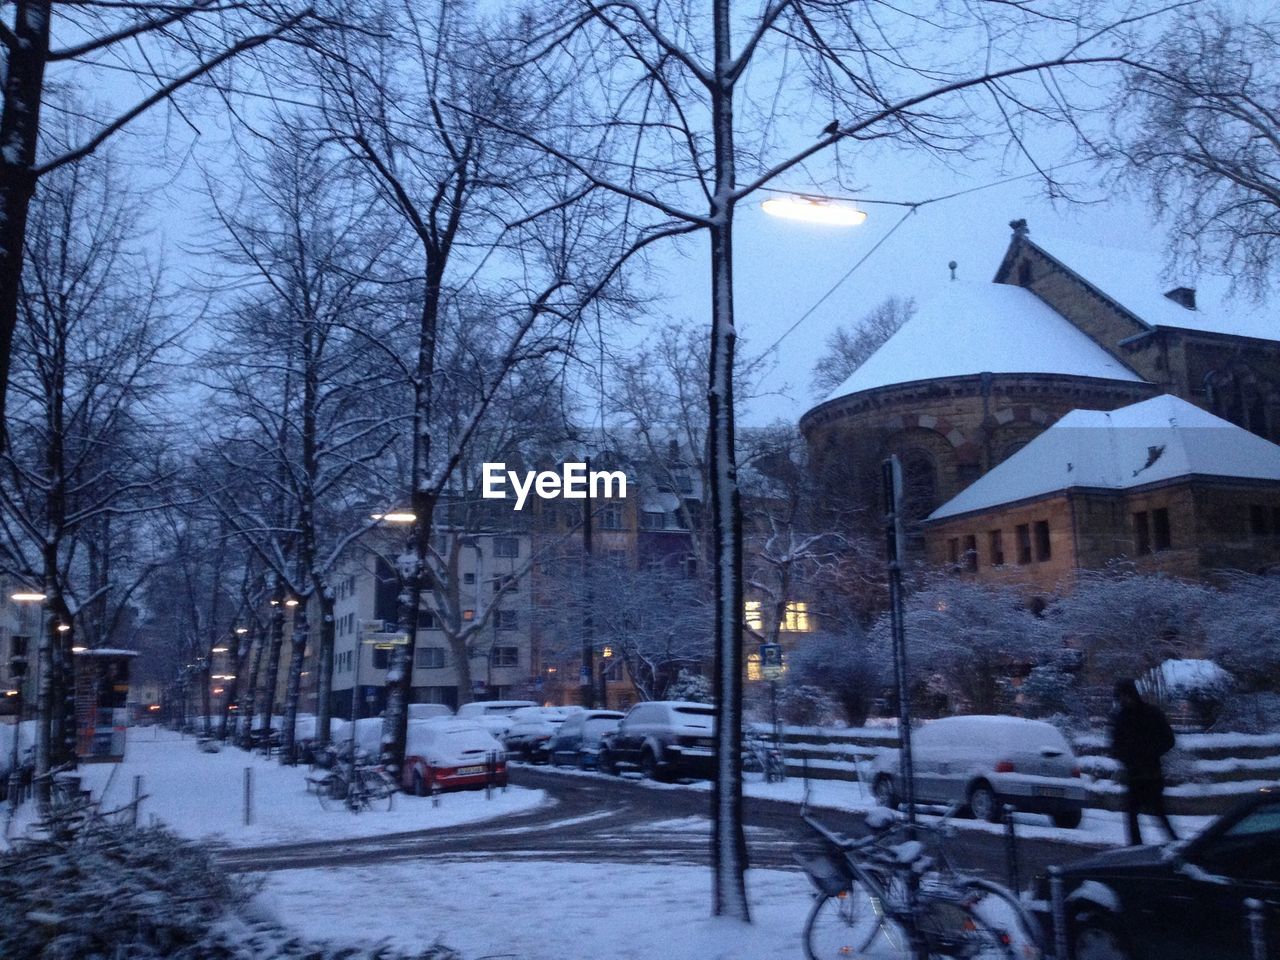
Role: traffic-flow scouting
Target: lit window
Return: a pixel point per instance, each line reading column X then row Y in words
column 796, row 617
column 753, row 615
column 753, row 667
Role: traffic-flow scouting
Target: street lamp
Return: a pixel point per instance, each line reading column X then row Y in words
column 397, row 516
column 809, row 209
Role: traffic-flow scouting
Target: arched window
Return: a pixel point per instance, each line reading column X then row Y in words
column 919, row 485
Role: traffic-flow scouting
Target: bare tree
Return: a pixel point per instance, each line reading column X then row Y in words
column 849, row 348
column 308, row 397
column 418, row 106
column 1199, row 130
column 81, row 474
column 91, row 41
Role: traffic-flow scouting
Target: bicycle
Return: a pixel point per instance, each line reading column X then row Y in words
column 357, row 786
column 884, row 886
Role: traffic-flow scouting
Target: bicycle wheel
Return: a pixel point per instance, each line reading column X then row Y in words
column 843, row 926
column 379, row 789
column 332, row 791
column 956, row 931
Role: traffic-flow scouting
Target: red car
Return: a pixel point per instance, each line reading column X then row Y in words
column 451, row 755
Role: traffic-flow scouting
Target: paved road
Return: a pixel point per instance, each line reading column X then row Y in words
column 597, row 818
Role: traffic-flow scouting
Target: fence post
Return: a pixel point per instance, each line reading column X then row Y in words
column 1057, row 896
column 248, row 796
column 1010, row 848
column 137, row 797
column 1253, row 911
column 490, row 768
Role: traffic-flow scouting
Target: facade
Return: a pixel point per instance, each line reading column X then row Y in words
column 1162, row 484
column 20, row 625
column 983, row 371
column 493, row 586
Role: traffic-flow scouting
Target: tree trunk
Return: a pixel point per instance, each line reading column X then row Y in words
column 19, row 135
column 293, row 686
column 728, row 841
column 270, row 681
column 248, row 699
column 324, row 667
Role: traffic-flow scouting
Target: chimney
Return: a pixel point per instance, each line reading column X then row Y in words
column 1183, row 297
column 1019, row 228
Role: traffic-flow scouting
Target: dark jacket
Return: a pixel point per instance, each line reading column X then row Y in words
column 1140, row 736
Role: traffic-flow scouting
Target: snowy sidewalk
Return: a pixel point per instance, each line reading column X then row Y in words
column 201, row 796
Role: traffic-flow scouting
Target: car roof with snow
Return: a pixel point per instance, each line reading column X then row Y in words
column 992, row 730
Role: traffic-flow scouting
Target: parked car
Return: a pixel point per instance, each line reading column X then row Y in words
column 1179, row 901
column 429, row 711
column 532, row 729
column 493, row 715
column 577, row 741
column 982, row 763
column 451, row 755
column 663, row 739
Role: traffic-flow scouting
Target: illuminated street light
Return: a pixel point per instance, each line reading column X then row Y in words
column 218, row 650
column 242, row 630
column 291, row 602
column 399, row 516
column 79, row 649
column 64, row 627
column 814, row 210
column 27, row 596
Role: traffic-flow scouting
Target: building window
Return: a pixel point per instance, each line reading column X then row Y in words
column 468, row 578
column 611, row 517
column 1258, row 520
column 1023, row 532
column 971, row 553
column 507, row 583
column 752, row 615
column 429, row 658
column 953, row 551
column 796, row 617
column 506, row 547
column 507, row 619
column 1160, row 529
column 428, row 620
column 997, row 548
column 506, row 656
column 381, row 658
column 1042, row 540
column 684, row 482
column 1141, row 533
column 754, row 674
column 652, row 520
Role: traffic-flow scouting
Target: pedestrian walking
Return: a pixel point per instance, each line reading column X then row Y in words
column 1140, row 736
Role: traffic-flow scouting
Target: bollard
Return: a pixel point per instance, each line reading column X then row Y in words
column 1010, row 849
column 435, row 794
column 1057, row 896
column 137, row 797
column 490, row 768
column 1257, row 942
column 248, row 796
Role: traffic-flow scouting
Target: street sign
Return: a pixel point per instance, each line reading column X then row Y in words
column 771, row 666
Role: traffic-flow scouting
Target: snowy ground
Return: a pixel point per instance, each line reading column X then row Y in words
column 201, row 796
column 540, row 910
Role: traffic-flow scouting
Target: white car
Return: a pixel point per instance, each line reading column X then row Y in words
column 982, row 763
column 493, row 715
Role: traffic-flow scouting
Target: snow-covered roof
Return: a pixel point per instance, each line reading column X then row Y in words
column 974, row 328
column 1158, row 439
column 1138, row 280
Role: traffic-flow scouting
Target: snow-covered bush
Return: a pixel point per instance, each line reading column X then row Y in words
column 692, row 687
column 1201, row 685
column 1242, row 630
column 807, row 706
column 849, row 668
column 103, row 892
column 968, row 639
column 1051, row 690
column 1125, row 623
column 1249, row 713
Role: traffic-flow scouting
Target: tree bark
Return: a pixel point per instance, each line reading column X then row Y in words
column 270, row 680
column 728, row 841
column 293, row 685
column 324, row 666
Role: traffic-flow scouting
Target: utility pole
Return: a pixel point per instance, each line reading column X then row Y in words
column 588, row 689
column 895, row 541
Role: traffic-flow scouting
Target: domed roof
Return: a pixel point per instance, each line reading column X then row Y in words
column 974, row 328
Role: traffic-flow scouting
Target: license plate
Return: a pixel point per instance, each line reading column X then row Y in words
column 463, row 771
column 1049, row 792
column 705, row 741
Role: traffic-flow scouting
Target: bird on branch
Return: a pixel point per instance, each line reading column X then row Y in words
column 831, row 129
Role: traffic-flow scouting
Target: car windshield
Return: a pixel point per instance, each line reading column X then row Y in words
column 1263, row 820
